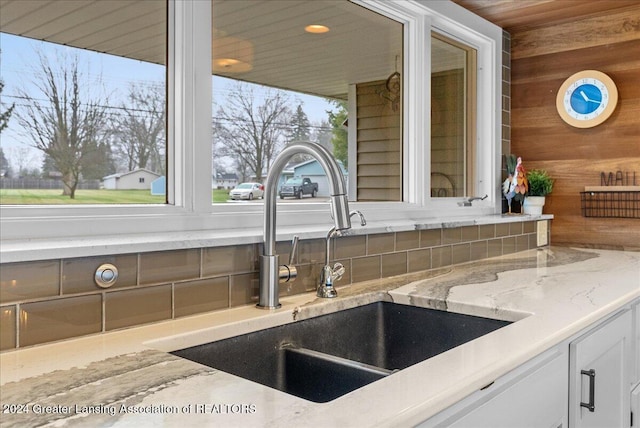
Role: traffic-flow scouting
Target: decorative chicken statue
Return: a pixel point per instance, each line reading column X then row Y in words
column 516, row 184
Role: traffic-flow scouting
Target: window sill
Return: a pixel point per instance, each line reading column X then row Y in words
column 57, row 248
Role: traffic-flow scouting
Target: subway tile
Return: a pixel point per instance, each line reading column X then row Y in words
column 509, row 245
column 199, row 296
column 29, row 280
column 441, row 256
column 529, row 227
column 78, row 274
column 430, row 237
column 381, row 243
column 231, row 259
column 310, row 251
column 515, row 228
column 59, row 319
column 308, row 279
column 137, row 306
column 522, row 242
column 7, row 327
column 166, row 266
column 407, row 240
column 350, row 246
column 451, row 235
column 487, row 231
column 502, row 229
column 494, row 247
column 418, row 260
column 469, row 233
column 394, row 264
column 460, row 253
column 244, row 289
column 479, row 250
column 365, row 268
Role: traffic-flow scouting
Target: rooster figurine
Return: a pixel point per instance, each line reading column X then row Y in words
column 516, row 184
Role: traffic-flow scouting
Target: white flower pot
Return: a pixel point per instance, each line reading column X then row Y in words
column 533, row 205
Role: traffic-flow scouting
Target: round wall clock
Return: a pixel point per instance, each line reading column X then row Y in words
column 587, row 99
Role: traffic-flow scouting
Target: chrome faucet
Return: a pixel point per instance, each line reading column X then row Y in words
column 330, row 275
column 467, row 201
column 271, row 273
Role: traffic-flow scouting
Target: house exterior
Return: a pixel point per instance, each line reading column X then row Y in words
column 313, row 170
column 138, row 179
column 224, row 181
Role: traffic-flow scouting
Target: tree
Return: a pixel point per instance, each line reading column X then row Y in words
column 5, row 115
column 63, row 118
column 140, row 130
column 5, row 168
column 300, row 126
column 253, row 133
column 340, row 138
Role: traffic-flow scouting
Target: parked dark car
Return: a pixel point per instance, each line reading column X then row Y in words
column 297, row 187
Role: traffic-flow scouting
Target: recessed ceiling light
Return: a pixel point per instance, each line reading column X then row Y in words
column 316, row 29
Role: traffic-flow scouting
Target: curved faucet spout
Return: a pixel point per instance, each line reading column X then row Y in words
column 269, row 266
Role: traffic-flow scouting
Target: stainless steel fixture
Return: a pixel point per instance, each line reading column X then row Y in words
column 467, row 201
column 330, row 275
column 270, row 271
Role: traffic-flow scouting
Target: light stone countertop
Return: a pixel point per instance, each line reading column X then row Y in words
column 124, row 378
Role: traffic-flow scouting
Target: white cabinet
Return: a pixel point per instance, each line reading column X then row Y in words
column 534, row 395
column 635, row 406
column 636, row 316
column 599, row 375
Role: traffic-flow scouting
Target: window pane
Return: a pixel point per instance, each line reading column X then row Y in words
column 284, row 71
column 452, row 118
column 85, row 86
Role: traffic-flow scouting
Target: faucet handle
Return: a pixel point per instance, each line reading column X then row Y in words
column 338, row 271
column 294, row 246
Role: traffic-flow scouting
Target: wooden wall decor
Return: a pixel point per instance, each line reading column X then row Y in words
column 542, row 58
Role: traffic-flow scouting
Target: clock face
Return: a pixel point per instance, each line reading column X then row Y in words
column 586, row 99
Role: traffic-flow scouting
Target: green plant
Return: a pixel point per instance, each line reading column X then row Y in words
column 540, row 184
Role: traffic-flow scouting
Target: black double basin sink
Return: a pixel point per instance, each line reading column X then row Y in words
column 322, row 358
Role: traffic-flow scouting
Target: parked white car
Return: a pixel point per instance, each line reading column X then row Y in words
column 247, row 191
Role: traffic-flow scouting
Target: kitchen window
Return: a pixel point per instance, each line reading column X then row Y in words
column 189, row 149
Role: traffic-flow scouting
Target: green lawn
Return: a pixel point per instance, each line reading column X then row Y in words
column 102, row 196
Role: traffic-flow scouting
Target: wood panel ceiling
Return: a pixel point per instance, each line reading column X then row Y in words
column 520, row 15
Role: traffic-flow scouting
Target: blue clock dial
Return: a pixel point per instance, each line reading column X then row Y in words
column 586, row 99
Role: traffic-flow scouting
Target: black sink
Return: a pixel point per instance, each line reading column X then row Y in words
column 322, row 358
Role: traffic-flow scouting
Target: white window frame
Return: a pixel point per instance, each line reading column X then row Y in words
column 189, row 114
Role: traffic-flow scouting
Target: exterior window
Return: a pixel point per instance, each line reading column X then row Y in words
column 453, row 104
column 277, row 80
column 85, row 86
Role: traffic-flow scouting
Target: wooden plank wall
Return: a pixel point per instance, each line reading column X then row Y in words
column 379, row 156
column 542, row 59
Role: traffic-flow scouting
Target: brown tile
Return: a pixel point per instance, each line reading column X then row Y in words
column 494, row 247
column 228, row 260
column 515, row 228
column 78, row 274
column 509, row 245
column 394, row 264
column 199, row 296
column 58, row 319
column 381, row 243
column 441, row 256
column 502, row 229
column 407, row 240
column 365, row 268
column 308, row 279
column 529, row 227
column 29, row 280
column 138, row 306
column 167, row 266
column 418, row 260
column 7, row 327
column 469, row 233
column 460, row 253
column 451, row 235
column 522, row 242
column 244, row 289
column 430, row 237
column 311, row 251
column 350, row 246
column 487, row 231
column 479, row 250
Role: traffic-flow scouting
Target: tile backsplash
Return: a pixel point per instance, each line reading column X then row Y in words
column 44, row 301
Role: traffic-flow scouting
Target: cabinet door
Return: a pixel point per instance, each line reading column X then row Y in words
column 636, row 357
column 599, row 375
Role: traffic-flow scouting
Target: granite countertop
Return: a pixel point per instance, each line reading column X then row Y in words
column 125, row 378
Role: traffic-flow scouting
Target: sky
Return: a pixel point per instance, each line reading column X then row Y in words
column 18, row 58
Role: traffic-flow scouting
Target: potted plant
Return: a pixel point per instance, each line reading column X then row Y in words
column 540, row 185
